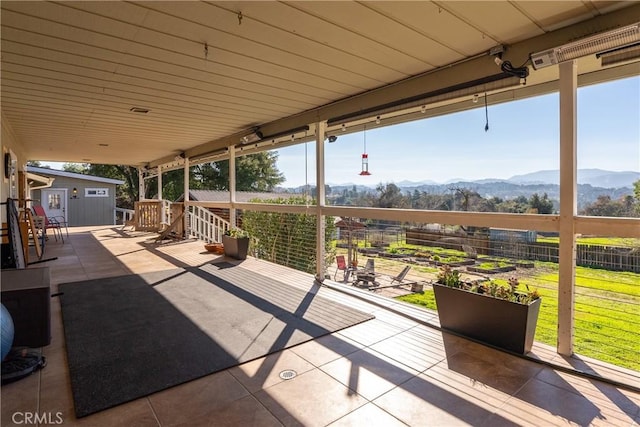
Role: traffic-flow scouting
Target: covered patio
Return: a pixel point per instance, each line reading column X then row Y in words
column 394, row 370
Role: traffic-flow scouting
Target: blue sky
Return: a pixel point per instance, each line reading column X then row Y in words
column 522, row 138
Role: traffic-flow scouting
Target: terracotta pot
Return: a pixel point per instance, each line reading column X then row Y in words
column 216, row 248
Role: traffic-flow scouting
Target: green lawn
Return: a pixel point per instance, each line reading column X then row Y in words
column 603, row 241
column 607, row 311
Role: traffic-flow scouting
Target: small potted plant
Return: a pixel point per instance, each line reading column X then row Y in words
column 236, row 243
column 503, row 316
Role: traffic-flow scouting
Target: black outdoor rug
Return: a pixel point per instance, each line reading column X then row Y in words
column 130, row 336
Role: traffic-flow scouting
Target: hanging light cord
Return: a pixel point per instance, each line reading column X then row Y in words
column 365, row 138
column 506, row 67
column 486, row 113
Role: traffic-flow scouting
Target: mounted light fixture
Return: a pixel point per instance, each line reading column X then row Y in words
column 74, row 193
column 332, row 138
column 598, row 43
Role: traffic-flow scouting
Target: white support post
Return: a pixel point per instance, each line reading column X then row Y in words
column 320, row 201
column 141, row 184
column 162, row 212
column 568, row 206
column 185, row 218
column 232, row 185
column 159, row 183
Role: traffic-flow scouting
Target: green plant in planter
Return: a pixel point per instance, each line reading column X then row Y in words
column 236, row 232
column 495, row 314
column 509, row 293
column 450, row 277
column 236, row 243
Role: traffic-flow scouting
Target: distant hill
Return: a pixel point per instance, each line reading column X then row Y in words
column 595, row 177
column 591, row 184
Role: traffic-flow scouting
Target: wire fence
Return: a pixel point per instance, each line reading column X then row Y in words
column 287, row 239
column 607, row 302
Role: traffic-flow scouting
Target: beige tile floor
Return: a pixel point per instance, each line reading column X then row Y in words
column 393, row 370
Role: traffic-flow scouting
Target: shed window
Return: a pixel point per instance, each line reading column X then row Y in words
column 96, row 192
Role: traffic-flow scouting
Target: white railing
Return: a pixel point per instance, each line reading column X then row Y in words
column 165, row 213
column 125, row 215
column 205, row 225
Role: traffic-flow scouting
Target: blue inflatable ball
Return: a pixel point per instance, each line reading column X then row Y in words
column 6, row 331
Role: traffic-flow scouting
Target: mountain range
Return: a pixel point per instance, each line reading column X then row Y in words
column 594, row 177
column 592, row 183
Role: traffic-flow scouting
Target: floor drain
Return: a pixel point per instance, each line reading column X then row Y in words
column 288, row 374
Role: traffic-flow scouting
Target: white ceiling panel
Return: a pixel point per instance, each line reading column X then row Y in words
column 438, row 25
column 552, row 15
column 269, row 43
column 503, row 22
column 368, row 23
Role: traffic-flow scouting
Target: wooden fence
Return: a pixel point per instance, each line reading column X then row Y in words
column 154, row 215
column 448, row 241
column 148, row 216
column 587, row 255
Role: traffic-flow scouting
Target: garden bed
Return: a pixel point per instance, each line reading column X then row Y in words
column 524, row 264
column 517, row 263
column 370, row 251
column 454, row 263
column 394, row 255
column 493, row 270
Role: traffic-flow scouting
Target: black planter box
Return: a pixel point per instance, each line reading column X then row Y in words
column 498, row 322
column 235, row 247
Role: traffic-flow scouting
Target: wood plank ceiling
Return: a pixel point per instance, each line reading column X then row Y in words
column 71, row 71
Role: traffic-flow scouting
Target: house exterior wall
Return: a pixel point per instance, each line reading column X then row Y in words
column 9, row 143
column 83, row 210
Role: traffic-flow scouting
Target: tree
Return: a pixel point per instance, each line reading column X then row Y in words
column 255, row 172
column 541, row 205
column 518, row 205
column 605, row 206
column 636, row 194
column 37, row 164
column 76, row 167
column 466, row 199
column 390, row 196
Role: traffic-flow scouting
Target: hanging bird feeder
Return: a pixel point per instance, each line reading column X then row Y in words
column 365, row 157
